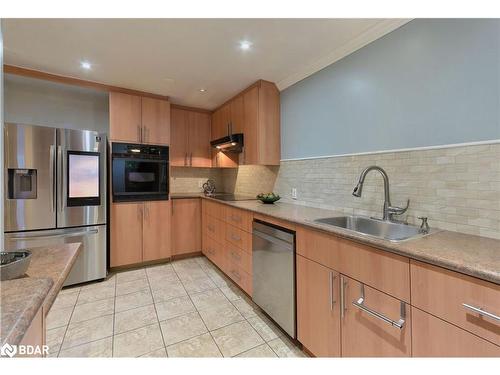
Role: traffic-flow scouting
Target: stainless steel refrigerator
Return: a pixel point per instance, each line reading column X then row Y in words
column 55, row 192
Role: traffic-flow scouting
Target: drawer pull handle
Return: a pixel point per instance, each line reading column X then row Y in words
column 236, row 219
column 331, row 280
column 235, row 238
column 360, row 305
column 235, row 256
column 211, row 228
column 236, row 274
column 481, row 312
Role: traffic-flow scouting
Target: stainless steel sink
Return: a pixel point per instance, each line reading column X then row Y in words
column 394, row 232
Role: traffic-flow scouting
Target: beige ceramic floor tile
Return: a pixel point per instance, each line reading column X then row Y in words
column 174, row 307
column 166, row 290
column 133, row 300
column 100, row 348
column 191, row 273
column 110, row 281
column 232, row 292
column 236, row 338
column 54, row 338
column 210, row 298
column 262, row 351
column 93, row 310
column 265, row 327
column 161, row 274
column 87, row 331
column 160, row 353
column 59, row 317
column 200, row 346
column 218, row 278
column 131, row 286
column 138, row 342
column 135, row 318
column 182, row 328
column 198, row 285
column 284, row 347
column 96, row 293
column 126, row 276
column 246, row 307
column 65, row 300
column 220, row 316
column 70, row 290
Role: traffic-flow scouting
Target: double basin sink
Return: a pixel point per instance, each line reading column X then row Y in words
column 385, row 230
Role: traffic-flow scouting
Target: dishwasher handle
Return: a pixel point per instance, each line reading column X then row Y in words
column 273, row 240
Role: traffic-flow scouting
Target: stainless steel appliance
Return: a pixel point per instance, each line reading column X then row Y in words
column 139, row 172
column 56, row 192
column 273, row 259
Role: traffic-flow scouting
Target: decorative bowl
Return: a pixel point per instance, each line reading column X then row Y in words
column 14, row 264
column 268, row 198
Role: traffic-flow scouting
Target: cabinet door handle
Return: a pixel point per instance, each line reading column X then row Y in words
column 138, row 133
column 191, row 159
column 331, row 280
column 360, row 304
column 343, row 285
column 481, row 312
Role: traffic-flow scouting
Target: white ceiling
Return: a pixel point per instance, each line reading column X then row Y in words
column 177, row 57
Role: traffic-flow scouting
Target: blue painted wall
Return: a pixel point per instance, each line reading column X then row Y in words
column 430, row 82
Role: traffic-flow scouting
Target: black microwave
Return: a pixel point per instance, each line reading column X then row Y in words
column 139, row 172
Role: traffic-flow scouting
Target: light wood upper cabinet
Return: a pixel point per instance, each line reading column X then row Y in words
column 125, row 117
column 156, row 234
column 220, row 121
column 126, row 233
column 139, row 119
column 186, row 226
column 318, row 308
column 179, row 138
column 190, row 146
column 237, row 114
column 155, row 121
column 366, row 335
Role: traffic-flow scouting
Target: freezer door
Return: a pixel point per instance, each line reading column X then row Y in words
column 91, row 262
column 81, row 171
column 29, row 196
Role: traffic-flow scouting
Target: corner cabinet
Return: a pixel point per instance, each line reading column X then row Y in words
column 255, row 112
column 139, row 119
column 140, row 232
column 190, row 145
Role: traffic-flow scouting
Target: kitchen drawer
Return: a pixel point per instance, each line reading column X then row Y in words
column 382, row 270
column 239, row 238
column 442, row 293
column 367, row 331
column 213, row 209
column 214, row 228
column 320, row 247
column 239, row 218
column 239, row 257
column 214, row 251
column 239, row 276
column 433, row 337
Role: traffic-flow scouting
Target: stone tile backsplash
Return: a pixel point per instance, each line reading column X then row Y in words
column 457, row 188
column 188, row 180
column 250, row 179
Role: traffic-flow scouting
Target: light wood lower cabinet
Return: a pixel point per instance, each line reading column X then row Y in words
column 433, row 337
column 186, row 226
column 126, row 233
column 366, row 334
column 156, row 231
column 318, row 308
column 140, row 232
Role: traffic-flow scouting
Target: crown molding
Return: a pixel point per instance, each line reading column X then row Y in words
column 371, row 34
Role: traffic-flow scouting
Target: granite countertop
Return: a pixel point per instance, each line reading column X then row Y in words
column 22, row 298
column 472, row 255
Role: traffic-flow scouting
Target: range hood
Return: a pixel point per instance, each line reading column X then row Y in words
column 230, row 143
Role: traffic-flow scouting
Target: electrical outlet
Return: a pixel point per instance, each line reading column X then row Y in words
column 294, row 193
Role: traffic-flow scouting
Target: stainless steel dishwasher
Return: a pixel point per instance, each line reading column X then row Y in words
column 273, row 258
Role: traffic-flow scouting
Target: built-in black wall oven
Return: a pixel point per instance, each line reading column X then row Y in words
column 139, row 172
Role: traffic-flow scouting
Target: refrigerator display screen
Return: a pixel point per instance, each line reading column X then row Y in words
column 83, row 178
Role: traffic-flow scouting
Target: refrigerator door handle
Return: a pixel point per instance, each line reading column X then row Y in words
column 60, row 177
column 52, row 178
column 59, row 235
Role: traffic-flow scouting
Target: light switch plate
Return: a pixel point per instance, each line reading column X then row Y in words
column 294, row 193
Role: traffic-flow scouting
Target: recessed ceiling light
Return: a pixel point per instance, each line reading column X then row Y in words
column 245, row 45
column 203, row 90
column 86, row 65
